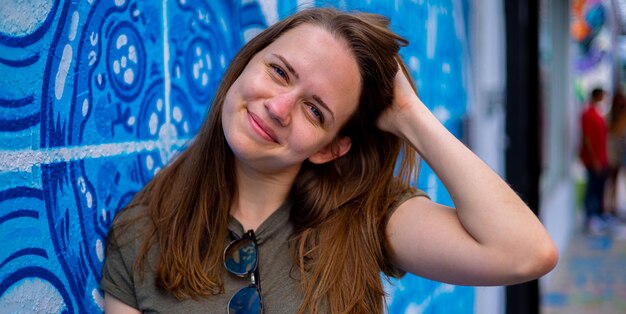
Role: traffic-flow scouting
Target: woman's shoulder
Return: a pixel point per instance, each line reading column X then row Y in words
column 135, row 211
column 399, row 195
column 128, row 224
column 408, row 193
column 120, row 277
column 400, row 192
column 131, row 211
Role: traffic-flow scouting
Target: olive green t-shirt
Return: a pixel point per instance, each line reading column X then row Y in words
column 281, row 289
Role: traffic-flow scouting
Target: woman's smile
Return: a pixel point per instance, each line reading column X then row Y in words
column 261, row 128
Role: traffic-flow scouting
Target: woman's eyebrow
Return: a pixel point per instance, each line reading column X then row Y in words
column 287, row 65
column 323, row 104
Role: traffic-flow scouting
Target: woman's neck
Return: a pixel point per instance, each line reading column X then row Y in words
column 259, row 194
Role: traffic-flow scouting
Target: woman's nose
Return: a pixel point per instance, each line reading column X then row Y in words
column 280, row 107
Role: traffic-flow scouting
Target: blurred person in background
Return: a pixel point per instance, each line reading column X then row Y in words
column 593, row 153
column 615, row 145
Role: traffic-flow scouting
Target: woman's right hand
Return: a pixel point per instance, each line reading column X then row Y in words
column 406, row 112
column 404, row 100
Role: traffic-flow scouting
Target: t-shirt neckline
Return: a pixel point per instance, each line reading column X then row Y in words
column 268, row 227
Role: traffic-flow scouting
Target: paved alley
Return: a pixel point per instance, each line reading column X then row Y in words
column 590, row 277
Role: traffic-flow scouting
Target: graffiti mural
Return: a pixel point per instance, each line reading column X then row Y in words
column 592, row 30
column 97, row 96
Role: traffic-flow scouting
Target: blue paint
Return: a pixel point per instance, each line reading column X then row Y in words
column 602, row 243
column 24, row 252
column 555, row 299
column 21, row 63
column 18, row 192
column 581, row 280
column 19, row 123
column 111, row 90
column 16, row 103
column 18, row 214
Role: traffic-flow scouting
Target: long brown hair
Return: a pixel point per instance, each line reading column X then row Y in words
column 617, row 114
column 339, row 208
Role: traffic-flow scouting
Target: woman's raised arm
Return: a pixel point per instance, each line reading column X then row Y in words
column 490, row 238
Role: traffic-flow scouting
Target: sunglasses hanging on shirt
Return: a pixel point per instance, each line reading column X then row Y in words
column 241, row 258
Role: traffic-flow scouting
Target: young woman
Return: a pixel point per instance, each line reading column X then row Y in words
column 289, row 200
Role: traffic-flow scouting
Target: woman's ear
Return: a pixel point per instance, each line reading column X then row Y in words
column 337, row 148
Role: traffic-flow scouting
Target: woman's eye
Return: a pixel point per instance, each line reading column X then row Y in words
column 278, row 70
column 316, row 113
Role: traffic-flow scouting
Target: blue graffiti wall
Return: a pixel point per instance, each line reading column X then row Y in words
column 96, row 96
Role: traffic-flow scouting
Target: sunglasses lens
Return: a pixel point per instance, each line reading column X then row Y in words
column 240, row 256
column 246, row 301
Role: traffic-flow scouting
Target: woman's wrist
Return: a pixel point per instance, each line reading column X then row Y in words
column 417, row 125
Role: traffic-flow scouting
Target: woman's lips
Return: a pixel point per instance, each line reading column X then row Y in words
column 261, row 128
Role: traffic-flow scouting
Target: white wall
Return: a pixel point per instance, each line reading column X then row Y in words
column 560, row 127
column 486, row 134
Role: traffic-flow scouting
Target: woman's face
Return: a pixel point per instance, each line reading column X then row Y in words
column 291, row 100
